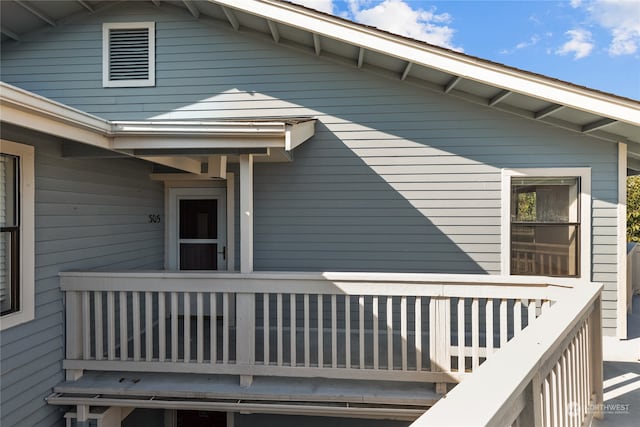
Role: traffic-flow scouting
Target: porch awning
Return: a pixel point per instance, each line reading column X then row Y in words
column 190, row 146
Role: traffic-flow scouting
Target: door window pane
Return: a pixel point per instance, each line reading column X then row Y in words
column 198, row 256
column 198, row 219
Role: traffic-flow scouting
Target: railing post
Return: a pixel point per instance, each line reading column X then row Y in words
column 73, row 332
column 440, row 337
column 595, row 331
column 531, row 415
column 245, row 335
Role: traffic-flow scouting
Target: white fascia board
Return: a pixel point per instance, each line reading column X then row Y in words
column 178, row 142
column 32, row 111
column 448, row 62
column 231, row 129
column 298, row 133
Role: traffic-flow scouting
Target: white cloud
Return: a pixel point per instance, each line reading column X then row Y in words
column 576, row 3
column 397, row 16
column 622, row 19
column 320, row 5
column 580, row 44
column 531, row 42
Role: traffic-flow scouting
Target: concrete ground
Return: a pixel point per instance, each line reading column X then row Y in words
column 622, row 376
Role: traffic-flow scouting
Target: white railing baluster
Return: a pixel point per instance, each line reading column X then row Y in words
column 320, row 332
column 86, row 325
column 307, row 356
column 489, row 328
column 265, row 329
column 334, row 332
column 174, row 326
column 531, row 312
column 135, row 303
column 162, row 327
column 503, row 323
column 124, row 342
column 389, row 303
column 461, row 337
column 225, row 328
column 279, row 328
column 403, row 331
column 148, row 325
column 361, row 330
column 418, row 333
column 97, row 310
column 376, row 344
column 517, row 317
column 186, row 326
column 199, row 328
column 347, row 331
column 111, row 326
column 292, row 329
column 213, row 328
column 475, row 334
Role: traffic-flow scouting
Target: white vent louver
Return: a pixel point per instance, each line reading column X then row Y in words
column 128, row 54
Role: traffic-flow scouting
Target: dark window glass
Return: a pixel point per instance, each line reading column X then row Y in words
column 198, row 256
column 9, row 234
column 198, row 219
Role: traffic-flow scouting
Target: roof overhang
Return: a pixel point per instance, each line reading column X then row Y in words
column 533, row 96
column 183, row 145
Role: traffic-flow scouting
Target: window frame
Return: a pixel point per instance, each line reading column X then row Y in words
column 150, row 27
column 584, row 202
column 26, row 221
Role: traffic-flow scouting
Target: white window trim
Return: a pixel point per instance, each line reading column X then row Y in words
column 585, row 214
column 27, row 230
column 151, row 27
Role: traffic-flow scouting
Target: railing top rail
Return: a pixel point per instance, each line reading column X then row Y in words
column 393, row 284
column 493, row 390
column 479, row 279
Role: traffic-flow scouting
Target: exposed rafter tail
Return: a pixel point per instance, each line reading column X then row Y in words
column 452, row 83
column 43, row 16
column 233, row 20
column 275, row 33
column 598, row 124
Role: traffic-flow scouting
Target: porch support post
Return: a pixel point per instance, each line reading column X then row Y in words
column 621, row 307
column 246, row 213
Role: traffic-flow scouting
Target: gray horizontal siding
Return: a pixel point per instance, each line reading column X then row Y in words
column 89, row 214
column 396, row 178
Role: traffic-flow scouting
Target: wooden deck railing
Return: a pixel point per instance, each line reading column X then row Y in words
column 550, row 375
column 400, row 327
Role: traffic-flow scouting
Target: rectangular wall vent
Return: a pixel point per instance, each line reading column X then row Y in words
column 129, row 54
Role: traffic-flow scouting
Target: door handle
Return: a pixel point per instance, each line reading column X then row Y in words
column 224, row 253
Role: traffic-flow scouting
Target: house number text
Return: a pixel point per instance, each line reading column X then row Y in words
column 154, row 219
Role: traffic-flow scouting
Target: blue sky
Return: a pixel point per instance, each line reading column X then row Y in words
column 593, row 43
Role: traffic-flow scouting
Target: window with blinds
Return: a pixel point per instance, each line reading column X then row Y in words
column 128, row 54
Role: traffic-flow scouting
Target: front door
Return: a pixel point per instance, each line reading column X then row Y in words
column 197, row 229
